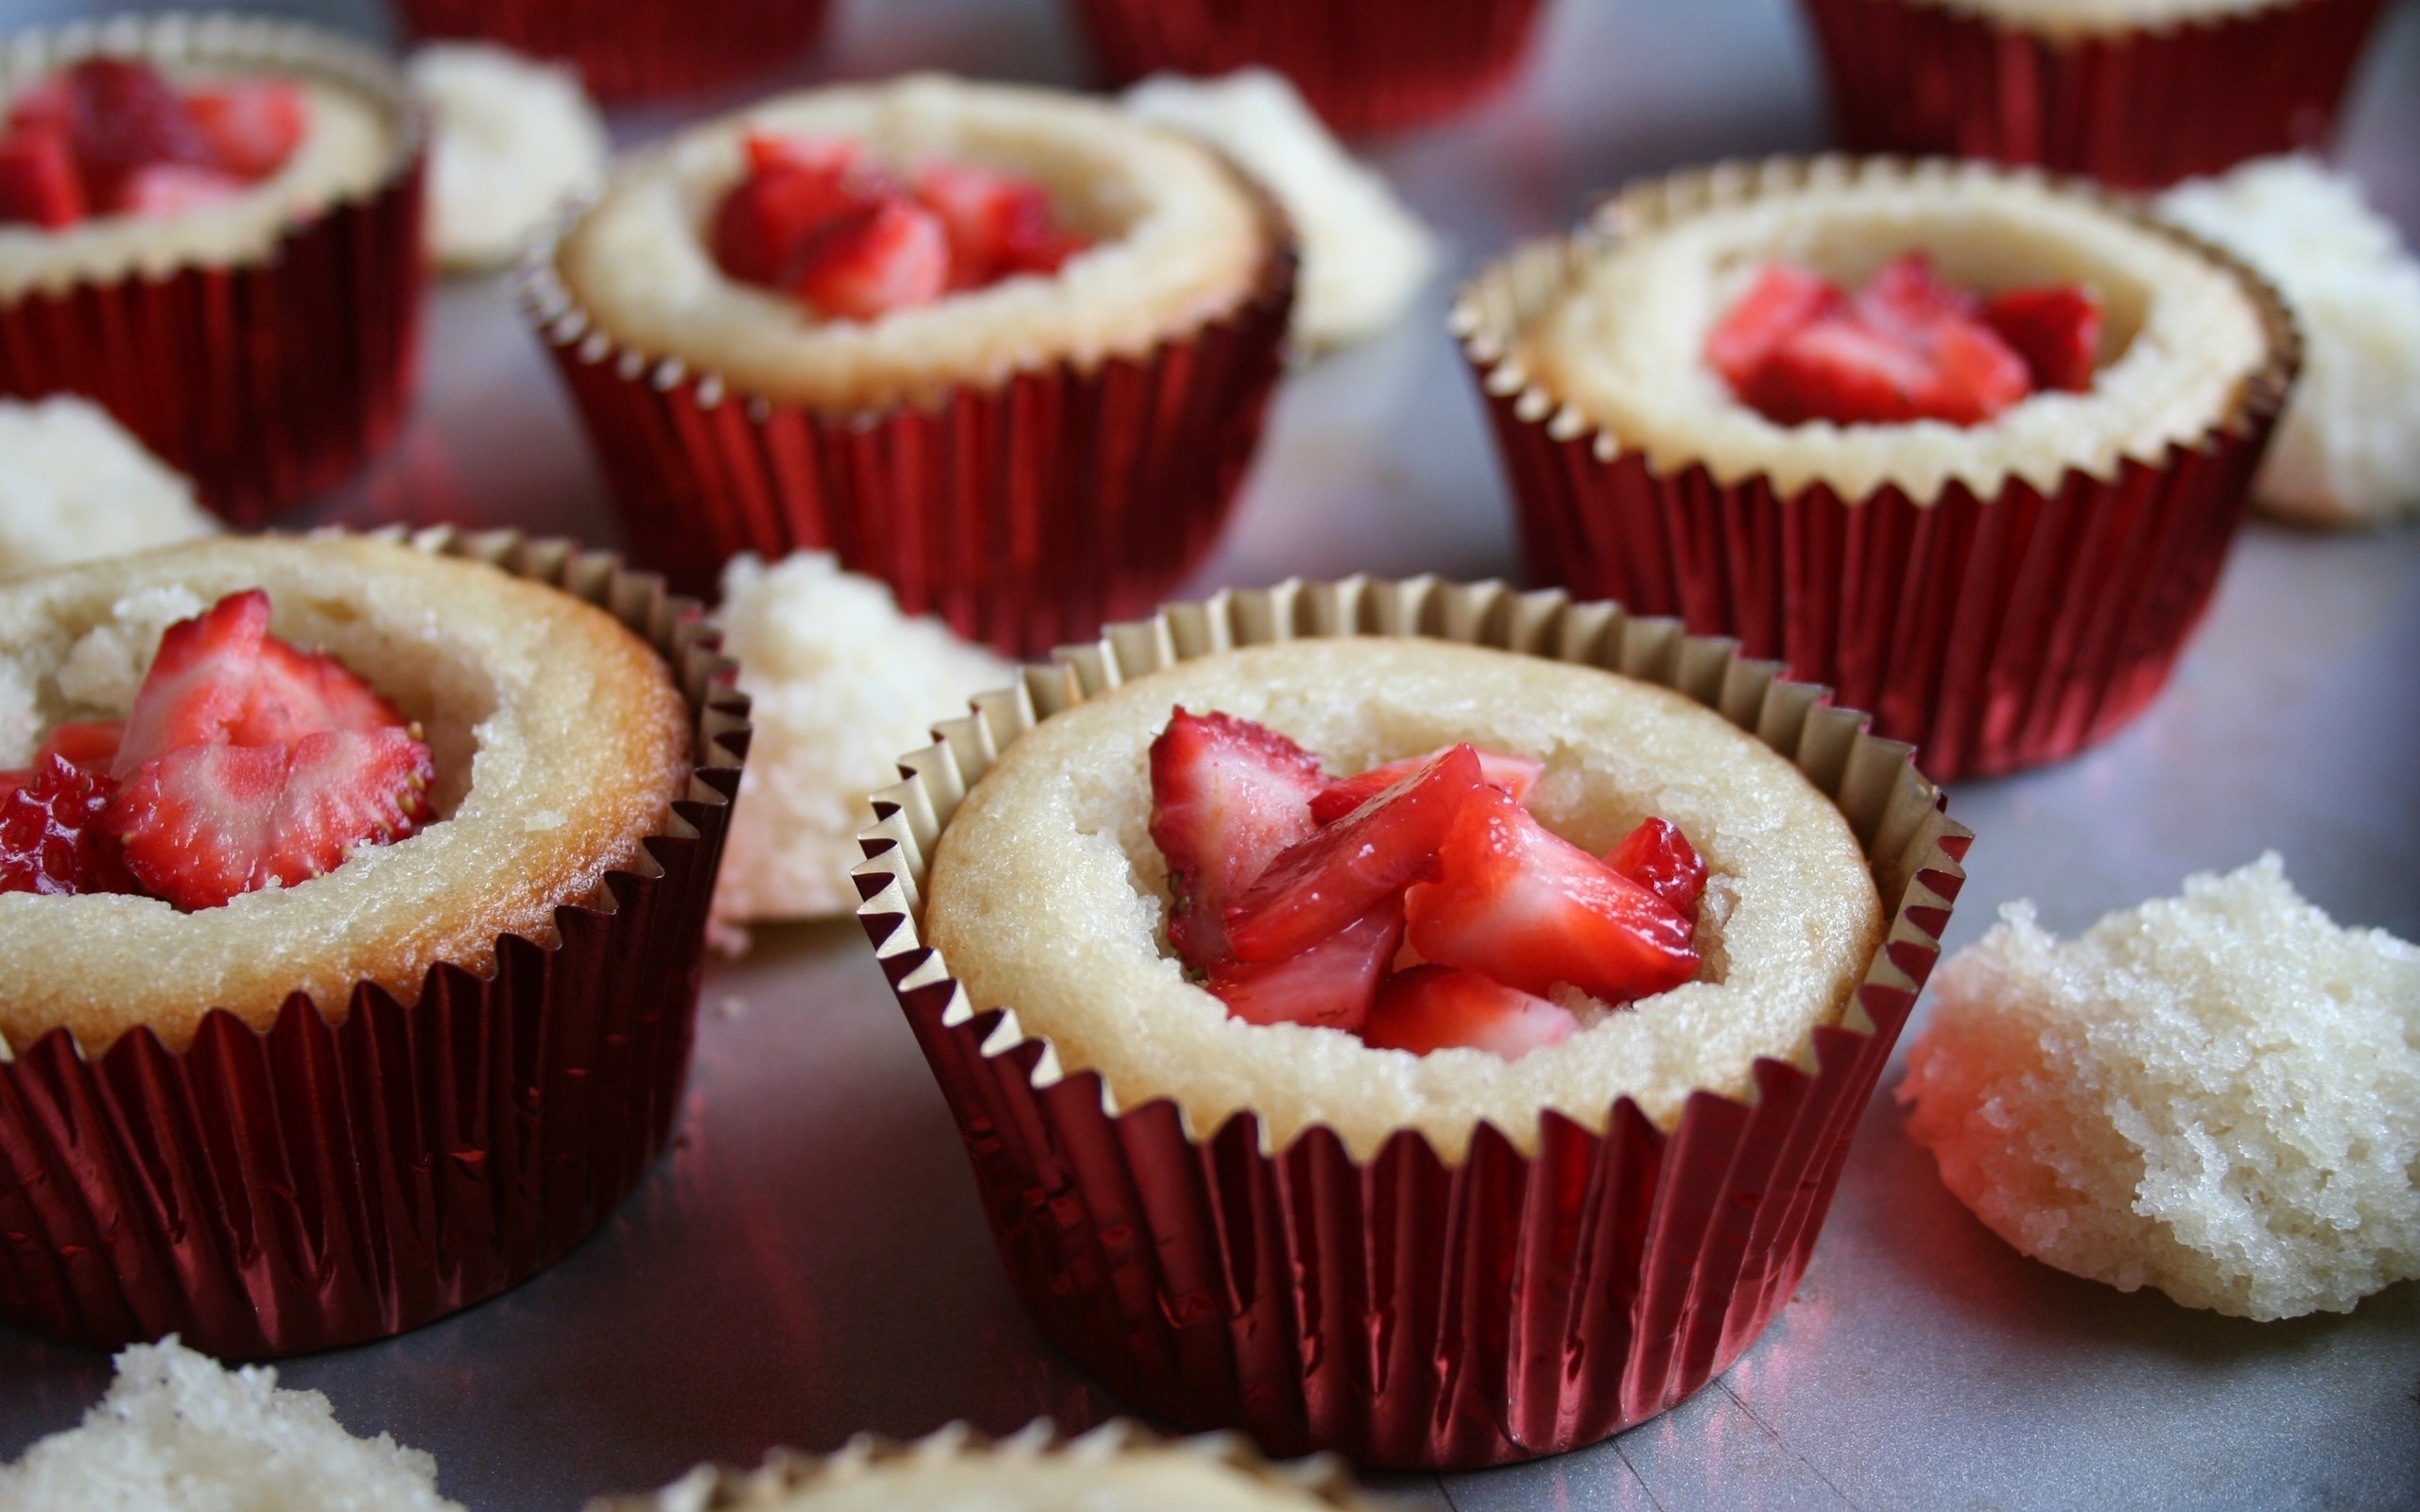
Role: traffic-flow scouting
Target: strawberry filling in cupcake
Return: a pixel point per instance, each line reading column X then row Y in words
column 1419, row 904
column 853, row 242
column 243, row 764
column 110, row 136
column 1905, row 346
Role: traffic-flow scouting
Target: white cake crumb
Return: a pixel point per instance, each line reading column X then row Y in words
column 73, row 485
column 106, row 668
column 2347, row 450
column 843, row 686
column 1365, row 256
column 2216, row 1095
column 513, row 139
column 180, row 1432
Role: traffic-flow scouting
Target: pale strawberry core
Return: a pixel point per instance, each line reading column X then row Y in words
column 110, row 136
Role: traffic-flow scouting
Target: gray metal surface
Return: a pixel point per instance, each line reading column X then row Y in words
column 810, row 1260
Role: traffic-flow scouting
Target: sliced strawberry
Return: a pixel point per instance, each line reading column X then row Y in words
column 123, row 116
column 297, row 692
column 1513, row 901
column 1976, row 374
column 38, row 181
column 1905, row 298
column 87, row 745
column 1331, row 984
column 174, row 188
column 2056, row 330
column 52, row 838
column 894, row 259
column 43, row 107
column 996, row 221
column 1046, row 254
column 205, row 823
column 1438, row 1008
column 1227, row 796
column 830, row 156
column 1659, row 858
column 1837, row 371
column 252, row 125
column 1318, row 885
column 799, row 189
column 1783, row 298
column 1515, row 775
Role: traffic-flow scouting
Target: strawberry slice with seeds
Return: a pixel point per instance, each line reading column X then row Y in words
column 1330, row 985
column 87, row 745
column 1227, row 796
column 1784, row 300
column 1438, row 1008
column 52, row 837
column 1318, row 887
column 175, row 188
column 996, row 222
column 252, row 125
column 1659, row 858
column 894, row 259
column 122, row 117
column 203, row 824
column 38, row 181
column 797, row 190
column 1515, row 902
column 1514, row 775
column 2056, row 330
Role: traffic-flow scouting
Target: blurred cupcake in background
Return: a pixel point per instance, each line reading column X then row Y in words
column 75, row 485
column 510, row 141
column 634, row 49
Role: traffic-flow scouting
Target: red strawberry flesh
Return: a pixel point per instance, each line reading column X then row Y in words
column 1316, row 887
column 122, row 117
column 1659, row 858
column 1514, row 775
column 798, row 190
column 174, row 188
column 1227, row 797
column 1331, row 984
column 252, row 125
column 1518, row 903
column 52, row 838
column 2057, row 331
column 895, row 258
column 1438, row 1008
column 38, row 181
column 1782, row 298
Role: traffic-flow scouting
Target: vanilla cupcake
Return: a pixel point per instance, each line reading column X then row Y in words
column 1008, row 318
column 1126, row 1128
column 239, row 277
column 2103, row 457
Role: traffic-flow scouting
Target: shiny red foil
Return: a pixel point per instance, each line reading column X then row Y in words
column 2138, row 108
column 266, row 382
column 1024, row 515
column 634, row 49
column 320, row 1185
column 1364, row 65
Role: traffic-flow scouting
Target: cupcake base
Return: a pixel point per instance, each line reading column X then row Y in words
column 1407, row 1312
column 326, row 1183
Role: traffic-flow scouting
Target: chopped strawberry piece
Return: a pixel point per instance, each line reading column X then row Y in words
column 1976, row 374
column 52, row 838
column 87, row 745
column 830, row 156
column 1331, row 984
column 1515, row 902
column 44, row 107
column 122, row 117
column 253, row 126
column 204, row 823
column 38, row 180
column 894, row 259
column 995, row 220
column 1046, row 254
column 798, row 189
column 1906, row 299
column 1838, row 371
column 1227, row 796
column 1437, row 1008
column 1318, row 885
column 174, row 188
column 1783, row 298
column 1515, row 775
column 1659, row 858
column 2056, row 330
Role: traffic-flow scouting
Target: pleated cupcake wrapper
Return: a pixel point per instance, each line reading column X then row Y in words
column 2139, row 108
column 267, row 380
column 1993, row 631
column 1409, row 1311
column 787, row 1476
column 635, row 49
column 322, row 1184
column 1364, row 65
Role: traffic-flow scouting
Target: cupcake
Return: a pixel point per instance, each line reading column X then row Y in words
column 1964, row 444
column 2138, row 92
column 633, row 49
column 1118, row 1467
column 352, row 897
column 212, row 227
column 1005, row 348
column 1548, row 1136
column 1365, row 65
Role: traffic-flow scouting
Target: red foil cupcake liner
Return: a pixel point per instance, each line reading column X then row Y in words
column 1025, row 514
column 2138, row 108
column 1992, row 631
column 634, row 49
column 1411, row 1311
column 265, row 381
column 1364, row 65
column 323, row 1185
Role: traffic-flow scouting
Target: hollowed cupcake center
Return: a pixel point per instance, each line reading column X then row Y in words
column 110, row 136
